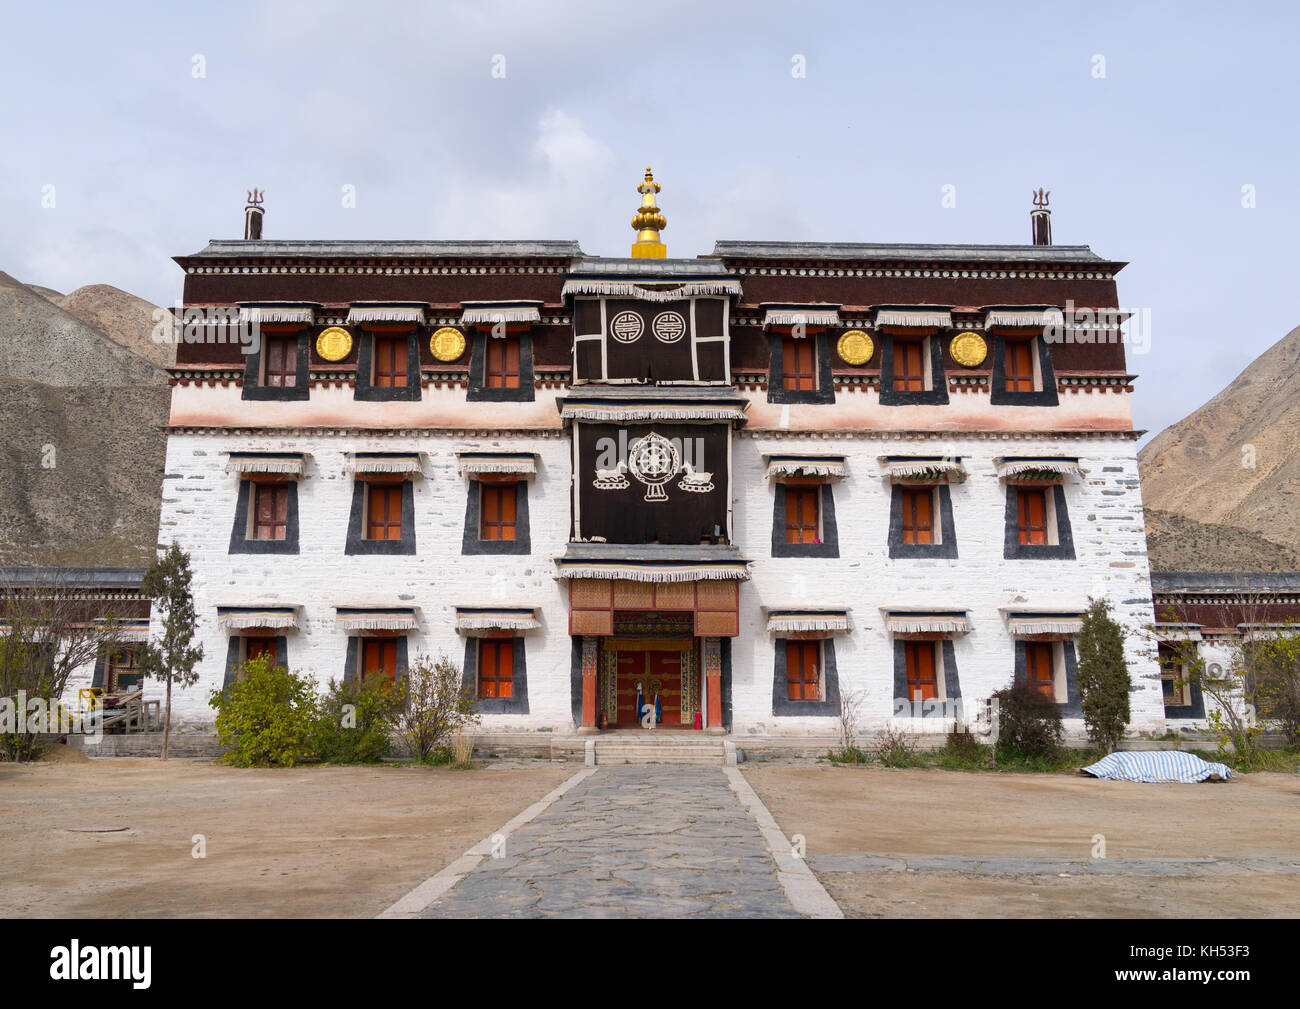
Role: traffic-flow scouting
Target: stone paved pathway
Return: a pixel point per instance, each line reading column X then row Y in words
column 650, row 841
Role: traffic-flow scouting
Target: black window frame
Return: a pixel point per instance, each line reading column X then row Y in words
column 253, row 389
column 998, row 395
column 1061, row 550
column 517, row 704
column 477, row 390
column 947, row 545
column 242, row 543
column 357, row 544
column 830, row 544
column 825, row 391
column 366, row 390
column 472, row 545
column 828, row 706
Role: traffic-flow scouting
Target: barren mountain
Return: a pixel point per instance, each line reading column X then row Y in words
column 84, row 417
column 1234, row 464
column 122, row 317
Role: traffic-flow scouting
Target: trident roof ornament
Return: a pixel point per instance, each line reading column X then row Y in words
column 1041, row 198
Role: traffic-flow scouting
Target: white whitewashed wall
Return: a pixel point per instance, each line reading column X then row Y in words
column 1105, row 511
column 198, row 510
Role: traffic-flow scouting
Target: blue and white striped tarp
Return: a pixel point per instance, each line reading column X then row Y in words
column 1161, row 766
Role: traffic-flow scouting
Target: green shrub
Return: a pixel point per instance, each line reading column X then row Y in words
column 1029, row 723
column 962, row 746
column 267, row 717
column 1103, row 676
column 354, row 721
column 895, row 748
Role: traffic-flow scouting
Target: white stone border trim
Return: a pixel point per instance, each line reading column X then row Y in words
column 803, row 889
column 428, row 892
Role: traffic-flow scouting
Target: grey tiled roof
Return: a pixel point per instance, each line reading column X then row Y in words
column 660, row 269
column 24, row 577
column 1225, row 581
column 654, row 553
column 638, row 393
column 886, row 251
column 240, row 248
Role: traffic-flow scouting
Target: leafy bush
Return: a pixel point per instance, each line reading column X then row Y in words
column 1104, row 681
column 433, row 706
column 963, row 746
column 355, row 720
column 267, row 717
column 895, row 748
column 1029, row 723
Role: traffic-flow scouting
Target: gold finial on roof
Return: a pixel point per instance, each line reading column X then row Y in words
column 649, row 222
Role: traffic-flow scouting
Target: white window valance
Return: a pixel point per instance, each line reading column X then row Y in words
column 1024, row 625
column 492, row 313
column 365, row 312
column 803, row 315
column 356, row 618
column 288, row 312
column 237, row 618
column 290, row 463
column 405, row 463
column 1026, row 318
column 130, row 631
column 472, row 620
column 633, row 571
column 781, row 622
column 1043, row 468
column 620, row 412
column 641, row 292
column 923, row 468
column 914, row 318
column 926, row 623
column 832, row 467
column 469, row 463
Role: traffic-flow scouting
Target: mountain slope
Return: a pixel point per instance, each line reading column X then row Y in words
column 84, row 420
column 1235, row 462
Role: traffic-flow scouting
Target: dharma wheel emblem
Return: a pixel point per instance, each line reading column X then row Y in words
column 654, row 460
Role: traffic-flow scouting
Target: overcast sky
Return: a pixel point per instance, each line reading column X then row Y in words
column 143, row 125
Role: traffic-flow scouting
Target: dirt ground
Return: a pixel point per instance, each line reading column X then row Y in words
column 882, row 811
column 297, row 842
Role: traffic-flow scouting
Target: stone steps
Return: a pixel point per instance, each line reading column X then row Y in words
column 660, row 751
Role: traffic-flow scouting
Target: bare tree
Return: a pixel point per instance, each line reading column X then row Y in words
column 50, row 629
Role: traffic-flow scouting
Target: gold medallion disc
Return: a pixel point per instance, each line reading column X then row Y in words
column 969, row 349
column 855, row 347
column 334, row 344
column 447, row 344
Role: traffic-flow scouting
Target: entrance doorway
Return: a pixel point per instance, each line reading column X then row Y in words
column 666, row 668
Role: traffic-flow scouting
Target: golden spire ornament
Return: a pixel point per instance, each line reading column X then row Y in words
column 649, row 222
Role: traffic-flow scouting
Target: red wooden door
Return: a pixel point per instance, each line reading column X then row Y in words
column 647, row 668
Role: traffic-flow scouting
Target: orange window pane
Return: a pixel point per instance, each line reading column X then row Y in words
column 281, row 361
column 379, row 658
column 1019, row 366
column 384, row 521
column 502, row 371
column 1031, row 512
column 257, row 647
column 270, row 511
column 909, row 367
column 922, row 683
column 803, row 676
column 390, row 362
column 918, row 515
column 798, row 370
column 1038, row 667
column 496, row 668
column 801, row 507
column 498, row 510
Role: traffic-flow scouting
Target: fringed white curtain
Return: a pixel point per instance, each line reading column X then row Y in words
column 628, row 289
